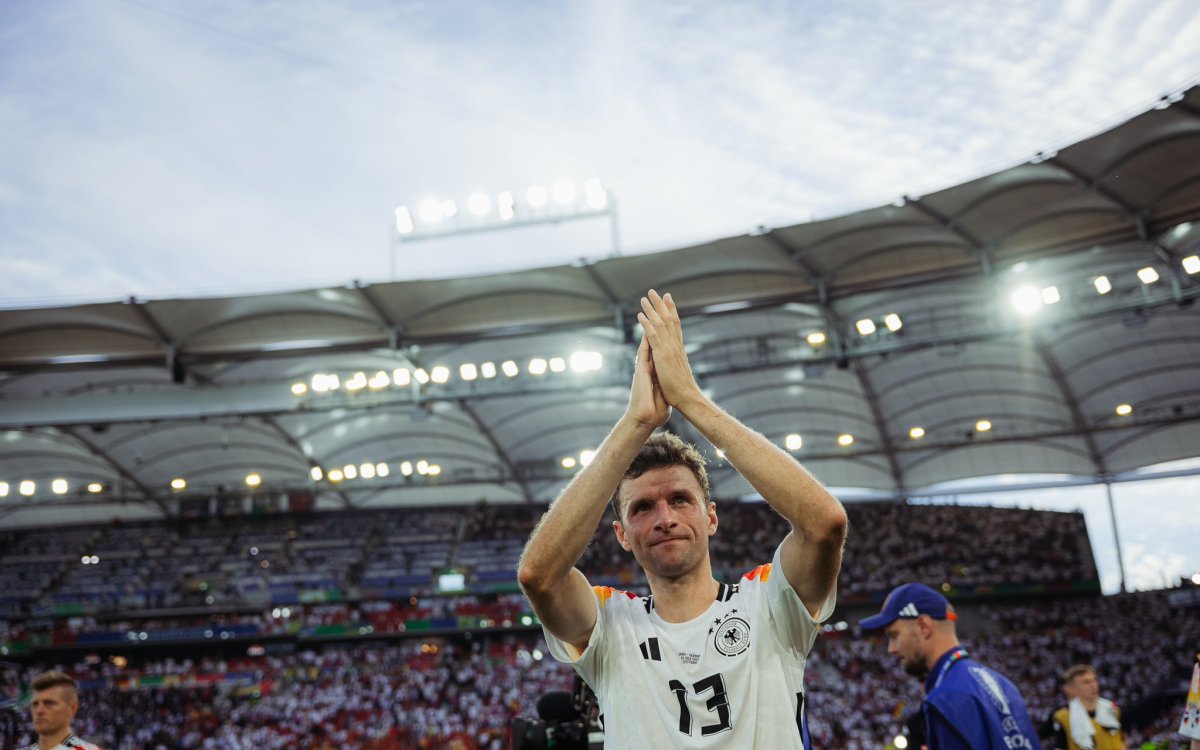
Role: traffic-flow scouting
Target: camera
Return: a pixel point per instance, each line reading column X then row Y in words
column 566, row 721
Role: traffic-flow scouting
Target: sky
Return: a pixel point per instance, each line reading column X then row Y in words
column 166, row 148
column 159, row 148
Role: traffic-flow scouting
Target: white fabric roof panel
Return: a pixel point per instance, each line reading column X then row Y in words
column 133, row 393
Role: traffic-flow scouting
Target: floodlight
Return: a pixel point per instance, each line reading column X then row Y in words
column 59, row 486
column 505, row 206
column 597, row 196
column 404, row 222
column 1026, row 300
column 564, row 193
column 1148, row 275
column 1102, row 284
column 434, row 470
column 536, row 196
column 557, row 364
column 422, row 466
column 816, row 339
column 488, row 370
column 1050, row 295
column 357, row 381
column 586, row 361
column 1191, row 264
column 900, row 742
column 449, row 209
column 401, row 376
column 316, row 473
column 916, row 433
column 299, row 389
column 1124, row 410
column 983, row 425
column 95, row 488
column 406, row 468
column 510, row 368
column 479, row 203
column 367, row 471
column 585, row 456
column 178, row 483
column 537, row 366
column 431, row 211
column 845, row 439
column 468, row 371
column 865, row 327
column 568, row 462
column 793, row 442
column 381, row 469
column 253, row 479
column 421, row 376
column 893, row 322
column 27, row 487
column 336, row 475
column 3, row 489
column 351, row 471
column 379, row 380
column 440, row 374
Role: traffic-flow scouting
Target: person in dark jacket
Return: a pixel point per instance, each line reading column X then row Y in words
column 967, row 706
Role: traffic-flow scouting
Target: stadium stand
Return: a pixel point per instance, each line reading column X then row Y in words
column 344, row 638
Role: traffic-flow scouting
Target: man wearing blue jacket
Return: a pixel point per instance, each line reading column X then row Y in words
column 967, row 705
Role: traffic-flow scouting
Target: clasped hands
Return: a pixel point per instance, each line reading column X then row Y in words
column 662, row 376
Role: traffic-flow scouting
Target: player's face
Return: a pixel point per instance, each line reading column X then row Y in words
column 1086, row 686
column 52, row 709
column 666, row 521
column 903, row 638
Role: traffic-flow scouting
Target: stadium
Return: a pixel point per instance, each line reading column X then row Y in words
column 294, row 519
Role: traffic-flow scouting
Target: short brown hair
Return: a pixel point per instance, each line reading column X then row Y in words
column 660, row 451
column 47, row 680
column 1075, row 671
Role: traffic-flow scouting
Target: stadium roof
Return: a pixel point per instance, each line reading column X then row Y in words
column 134, row 394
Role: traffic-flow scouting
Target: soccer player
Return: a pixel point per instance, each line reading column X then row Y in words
column 698, row 663
column 55, row 702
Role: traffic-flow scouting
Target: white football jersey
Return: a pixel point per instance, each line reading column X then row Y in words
column 732, row 677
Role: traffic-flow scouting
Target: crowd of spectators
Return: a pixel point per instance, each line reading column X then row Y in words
column 408, row 684
column 465, row 690
column 285, row 560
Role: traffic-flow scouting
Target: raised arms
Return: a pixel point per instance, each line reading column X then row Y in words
column 812, row 553
column 559, row 593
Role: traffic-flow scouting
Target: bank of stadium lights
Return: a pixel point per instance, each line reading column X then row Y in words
column 892, row 322
column 538, row 204
column 402, row 377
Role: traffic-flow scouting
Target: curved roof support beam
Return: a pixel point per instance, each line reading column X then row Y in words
column 983, row 252
column 123, row 472
column 881, row 425
column 1095, row 187
column 173, row 363
column 502, row 454
column 1164, row 255
column 1078, row 421
column 394, row 329
column 295, row 445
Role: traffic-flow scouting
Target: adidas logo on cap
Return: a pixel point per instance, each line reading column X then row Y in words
column 909, row 610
